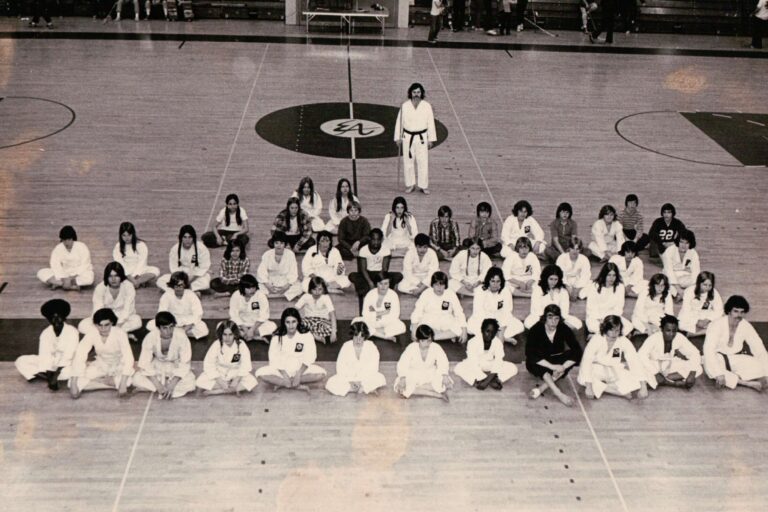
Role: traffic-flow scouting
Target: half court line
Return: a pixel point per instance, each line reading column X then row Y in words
column 234, row 142
column 133, row 452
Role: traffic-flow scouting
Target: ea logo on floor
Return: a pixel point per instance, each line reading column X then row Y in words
column 352, row 128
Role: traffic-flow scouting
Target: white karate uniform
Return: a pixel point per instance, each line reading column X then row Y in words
column 134, row 262
column 619, row 366
column 397, row 236
column 418, row 271
column 65, row 264
column 124, row 307
column 467, row 268
column 382, row 314
column 418, row 371
column 332, row 270
column 188, row 310
column 576, row 274
column 632, row 274
column 220, row 363
column 174, row 363
column 559, row 297
column 415, row 120
column 114, row 358
column 605, row 238
column 695, row 309
column 512, row 229
column 487, row 304
column 480, row 362
column 350, row 368
column 336, row 216
column 655, row 360
column 289, row 354
column 649, row 311
column 443, row 313
column 53, row 352
column 280, row 273
column 719, row 355
column 313, row 210
column 199, row 278
column 521, row 269
column 247, row 312
column 603, row 303
column 681, row 271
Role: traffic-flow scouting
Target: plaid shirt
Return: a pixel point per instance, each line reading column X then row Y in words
column 445, row 237
column 233, row 270
column 283, row 223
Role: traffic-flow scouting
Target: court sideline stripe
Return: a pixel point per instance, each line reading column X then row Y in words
column 352, row 116
column 464, row 134
column 133, row 452
column 599, row 447
column 234, row 142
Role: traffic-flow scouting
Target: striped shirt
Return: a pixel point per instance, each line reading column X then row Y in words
column 633, row 220
column 446, row 236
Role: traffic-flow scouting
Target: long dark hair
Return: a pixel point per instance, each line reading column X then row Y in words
column 490, row 274
column 281, row 330
column 350, row 195
column 546, row 273
column 395, row 202
column 126, row 227
column 238, row 218
column 601, row 277
column 186, row 229
column 234, row 242
column 705, row 276
column 653, row 281
column 300, row 191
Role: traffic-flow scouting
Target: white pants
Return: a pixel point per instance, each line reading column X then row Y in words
column 420, row 156
column 593, row 325
column 386, row 327
column 470, row 372
column 184, row 386
column 598, row 253
column 147, row 269
column 200, row 329
column 98, row 369
column 342, row 281
column 339, row 386
column 676, row 365
column 207, row 381
column 456, row 284
column 510, row 327
column 131, row 324
column 744, row 367
column 624, row 380
column 274, row 371
column 409, row 284
column 265, row 328
column 433, row 379
column 84, row 279
column 445, row 326
column 290, row 294
column 317, row 224
column 197, row 284
column 29, row 366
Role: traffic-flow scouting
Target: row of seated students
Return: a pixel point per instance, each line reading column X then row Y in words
column 733, row 354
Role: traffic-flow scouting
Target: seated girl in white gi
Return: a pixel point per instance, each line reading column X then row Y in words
column 631, row 269
column 653, row 303
column 381, row 310
column 310, row 202
column 231, row 224
column 113, row 366
column 357, row 366
column 551, row 351
column 192, row 258
column 606, row 297
column 522, row 224
column 164, row 362
column 610, row 363
column 681, row 262
column 56, row 348
column 278, row 273
column 701, row 305
column 485, row 365
column 522, row 268
column 577, row 273
column 292, row 355
column 468, row 268
column 494, row 300
column 70, row 263
column 132, row 253
column 441, row 307
column 551, row 290
column 423, row 367
column 227, row 364
column 234, row 265
column 324, row 260
column 318, row 311
column 184, row 305
column 116, row 293
column 418, row 265
column 668, row 356
column 399, row 228
column 734, row 354
column 337, row 207
column 607, row 234
column 249, row 309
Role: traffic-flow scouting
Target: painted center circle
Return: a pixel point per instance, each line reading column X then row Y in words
column 352, row 128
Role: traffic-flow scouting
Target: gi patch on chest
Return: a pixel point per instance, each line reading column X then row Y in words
column 299, row 347
column 446, row 305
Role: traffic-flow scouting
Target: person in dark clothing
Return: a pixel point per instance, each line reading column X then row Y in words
column 606, row 23
column 665, row 231
column 41, row 8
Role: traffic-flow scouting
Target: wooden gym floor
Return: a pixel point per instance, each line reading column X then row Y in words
column 164, row 129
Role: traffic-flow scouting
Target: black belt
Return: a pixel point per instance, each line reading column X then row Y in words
column 413, row 136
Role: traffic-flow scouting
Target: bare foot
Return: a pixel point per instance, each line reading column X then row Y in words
column 565, row 399
column 534, row 394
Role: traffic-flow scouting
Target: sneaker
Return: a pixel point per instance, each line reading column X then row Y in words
column 492, row 32
column 432, row 41
column 408, row 190
column 32, row 24
column 136, row 18
column 520, row 27
column 425, row 191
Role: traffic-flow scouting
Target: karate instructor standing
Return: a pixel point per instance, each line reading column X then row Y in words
column 415, row 134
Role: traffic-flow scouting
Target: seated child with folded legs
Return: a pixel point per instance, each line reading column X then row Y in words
column 357, row 366
column 227, row 365
column 249, row 309
column 423, row 367
column 671, row 360
column 484, row 365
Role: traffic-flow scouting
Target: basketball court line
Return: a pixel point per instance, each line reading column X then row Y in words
column 351, row 116
column 133, row 452
column 498, row 213
column 234, row 141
